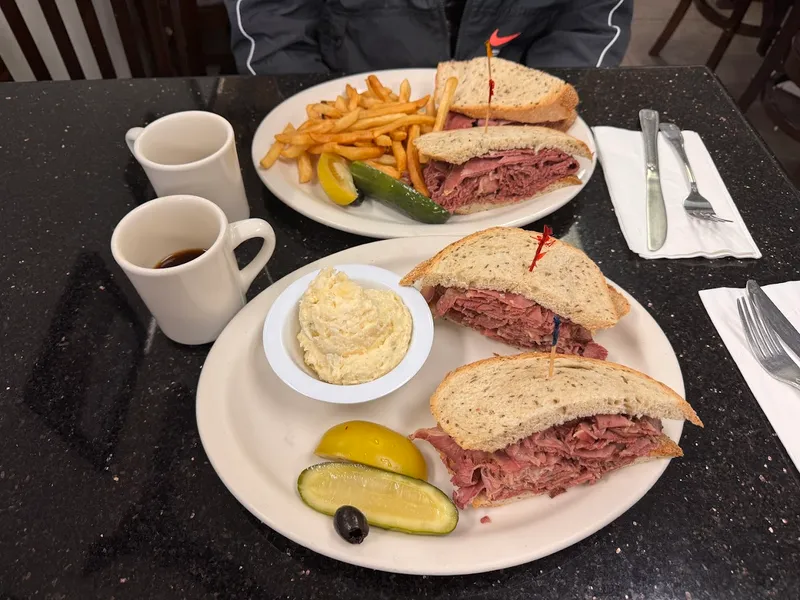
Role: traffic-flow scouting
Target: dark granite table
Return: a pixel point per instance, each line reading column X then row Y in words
column 105, row 491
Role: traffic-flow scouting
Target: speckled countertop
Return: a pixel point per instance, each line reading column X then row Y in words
column 105, row 491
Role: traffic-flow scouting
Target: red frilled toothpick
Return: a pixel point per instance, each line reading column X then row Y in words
column 546, row 240
column 491, row 85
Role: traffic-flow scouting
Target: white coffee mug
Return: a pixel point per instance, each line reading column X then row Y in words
column 192, row 152
column 191, row 302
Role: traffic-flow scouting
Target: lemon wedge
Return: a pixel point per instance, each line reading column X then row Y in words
column 388, row 500
column 374, row 445
column 335, row 178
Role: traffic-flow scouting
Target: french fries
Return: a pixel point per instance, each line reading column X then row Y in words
column 296, row 139
column 378, row 126
column 444, row 104
column 402, row 122
column 274, row 153
column 352, row 97
column 275, row 150
column 328, row 111
column 293, row 151
column 368, row 101
column 320, row 148
column 430, row 107
column 304, row 169
column 376, row 121
column 346, row 121
column 386, row 159
column 399, row 155
column 376, row 87
column 423, row 159
column 321, row 126
column 389, row 170
column 414, row 170
column 405, row 91
column 342, row 138
column 395, row 108
column 358, row 153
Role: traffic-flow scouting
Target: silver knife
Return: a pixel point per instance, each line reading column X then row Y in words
column 775, row 317
column 656, row 211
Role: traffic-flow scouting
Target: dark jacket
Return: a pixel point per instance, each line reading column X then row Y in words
column 305, row 36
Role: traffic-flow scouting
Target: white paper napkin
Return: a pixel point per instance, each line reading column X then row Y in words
column 621, row 153
column 779, row 401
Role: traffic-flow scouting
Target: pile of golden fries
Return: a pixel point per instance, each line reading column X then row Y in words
column 376, row 126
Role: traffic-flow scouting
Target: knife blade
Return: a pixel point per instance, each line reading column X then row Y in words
column 774, row 316
column 656, row 211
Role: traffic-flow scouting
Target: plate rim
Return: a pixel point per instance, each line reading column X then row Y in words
column 384, row 230
column 342, row 555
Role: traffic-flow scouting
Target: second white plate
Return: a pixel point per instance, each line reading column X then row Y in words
column 259, row 435
column 373, row 219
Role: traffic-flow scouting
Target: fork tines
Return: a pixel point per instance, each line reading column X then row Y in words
column 762, row 340
column 707, row 216
column 766, row 345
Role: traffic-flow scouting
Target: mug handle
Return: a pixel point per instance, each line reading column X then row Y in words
column 241, row 231
column 131, row 136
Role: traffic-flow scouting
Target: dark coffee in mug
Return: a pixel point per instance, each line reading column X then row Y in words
column 181, row 257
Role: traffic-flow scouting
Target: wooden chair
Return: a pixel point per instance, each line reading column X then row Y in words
column 159, row 38
column 176, row 30
column 784, row 108
column 730, row 26
column 4, row 74
column 783, row 56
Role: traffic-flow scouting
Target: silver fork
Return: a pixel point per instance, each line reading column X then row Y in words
column 697, row 206
column 766, row 345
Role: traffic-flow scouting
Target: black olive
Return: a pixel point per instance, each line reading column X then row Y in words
column 351, row 524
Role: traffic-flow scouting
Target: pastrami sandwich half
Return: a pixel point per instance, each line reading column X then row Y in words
column 506, row 431
column 522, row 95
column 472, row 170
column 484, row 281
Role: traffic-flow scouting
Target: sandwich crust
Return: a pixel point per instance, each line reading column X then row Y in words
column 522, row 94
column 556, row 106
column 565, row 280
column 492, row 403
column 457, row 146
column 562, row 125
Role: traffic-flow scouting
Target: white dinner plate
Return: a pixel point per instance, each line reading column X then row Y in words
column 373, row 219
column 259, row 435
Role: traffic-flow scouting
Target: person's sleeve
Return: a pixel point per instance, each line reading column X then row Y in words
column 276, row 36
column 585, row 33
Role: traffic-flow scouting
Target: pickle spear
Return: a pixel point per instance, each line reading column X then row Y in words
column 397, row 194
column 388, row 500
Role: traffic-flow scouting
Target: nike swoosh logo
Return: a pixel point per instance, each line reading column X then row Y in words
column 497, row 40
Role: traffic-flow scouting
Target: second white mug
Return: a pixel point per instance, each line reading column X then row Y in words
column 192, row 302
column 192, row 152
